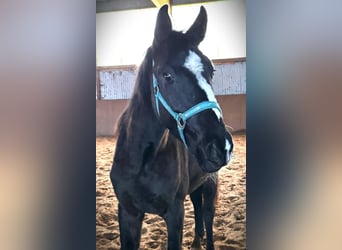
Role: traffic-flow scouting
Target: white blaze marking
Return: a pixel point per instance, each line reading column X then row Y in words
column 194, row 64
column 227, row 145
column 228, row 149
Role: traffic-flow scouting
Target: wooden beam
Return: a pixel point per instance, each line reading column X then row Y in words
column 160, row 3
column 228, row 60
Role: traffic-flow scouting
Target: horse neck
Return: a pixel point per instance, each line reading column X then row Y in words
column 144, row 123
column 144, row 126
column 139, row 130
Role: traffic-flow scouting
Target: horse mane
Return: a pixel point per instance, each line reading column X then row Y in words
column 141, row 95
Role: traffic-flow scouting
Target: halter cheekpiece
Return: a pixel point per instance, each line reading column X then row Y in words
column 181, row 118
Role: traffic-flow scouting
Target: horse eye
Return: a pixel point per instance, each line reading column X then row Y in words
column 167, row 76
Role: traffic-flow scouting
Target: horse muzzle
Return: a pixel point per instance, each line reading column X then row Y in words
column 213, row 156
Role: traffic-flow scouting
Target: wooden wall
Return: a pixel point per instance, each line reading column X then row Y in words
column 108, row 111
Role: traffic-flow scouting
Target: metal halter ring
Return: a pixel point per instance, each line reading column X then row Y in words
column 180, row 122
column 156, row 89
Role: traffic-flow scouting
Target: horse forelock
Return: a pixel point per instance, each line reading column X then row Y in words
column 174, row 44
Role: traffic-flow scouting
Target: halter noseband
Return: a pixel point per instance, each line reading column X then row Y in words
column 181, row 118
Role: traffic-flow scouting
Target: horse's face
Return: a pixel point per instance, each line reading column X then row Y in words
column 184, row 78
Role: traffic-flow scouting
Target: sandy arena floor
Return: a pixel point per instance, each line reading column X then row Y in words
column 230, row 216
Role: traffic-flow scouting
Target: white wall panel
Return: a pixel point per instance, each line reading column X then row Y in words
column 117, row 84
column 229, row 79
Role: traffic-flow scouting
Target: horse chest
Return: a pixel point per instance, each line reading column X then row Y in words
column 148, row 192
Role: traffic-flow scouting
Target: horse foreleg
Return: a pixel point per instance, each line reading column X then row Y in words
column 209, row 195
column 196, row 198
column 130, row 229
column 174, row 218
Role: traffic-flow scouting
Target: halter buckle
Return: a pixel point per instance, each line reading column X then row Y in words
column 156, row 89
column 180, row 121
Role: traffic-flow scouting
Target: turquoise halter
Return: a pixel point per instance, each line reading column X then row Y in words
column 181, row 118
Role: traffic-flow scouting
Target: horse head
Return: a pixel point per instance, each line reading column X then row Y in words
column 182, row 94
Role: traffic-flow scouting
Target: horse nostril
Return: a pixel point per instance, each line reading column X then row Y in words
column 211, row 149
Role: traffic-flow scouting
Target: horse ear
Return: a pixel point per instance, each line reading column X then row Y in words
column 197, row 30
column 163, row 25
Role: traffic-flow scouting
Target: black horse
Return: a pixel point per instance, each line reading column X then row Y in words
column 171, row 139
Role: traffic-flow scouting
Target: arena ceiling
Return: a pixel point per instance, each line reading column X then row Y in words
column 116, row 5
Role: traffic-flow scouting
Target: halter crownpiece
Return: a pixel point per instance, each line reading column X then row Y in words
column 181, row 118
